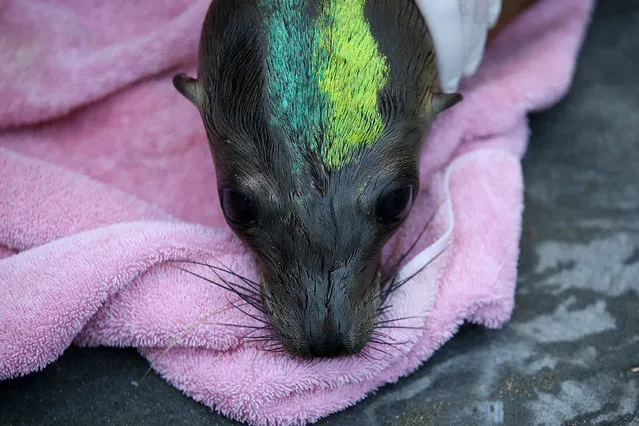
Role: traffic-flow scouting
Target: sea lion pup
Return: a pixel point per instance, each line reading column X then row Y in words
column 315, row 112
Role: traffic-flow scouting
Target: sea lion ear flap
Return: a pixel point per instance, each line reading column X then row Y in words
column 189, row 88
column 442, row 101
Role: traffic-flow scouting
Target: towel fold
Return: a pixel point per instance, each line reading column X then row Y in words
column 106, row 182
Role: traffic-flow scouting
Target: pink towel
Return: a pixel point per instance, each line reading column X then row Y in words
column 105, row 175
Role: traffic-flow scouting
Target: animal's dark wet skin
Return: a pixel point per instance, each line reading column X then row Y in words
column 317, row 230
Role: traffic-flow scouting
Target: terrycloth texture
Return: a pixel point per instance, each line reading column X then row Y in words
column 108, row 176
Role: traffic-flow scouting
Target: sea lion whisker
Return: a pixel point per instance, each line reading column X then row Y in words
column 250, row 291
column 398, row 284
column 405, row 327
column 251, row 299
column 223, row 269
column 252, row 327
column 274, row 348
column 252, row 316
column 248, row 336
column 263, row 337
column 383, row 309
column 367, row 355
column 225, row 286
column 380, row 342
column 383, row 335
column 373, row 348
column 382, row 322
column 388, row 338
column 429, row 221
column 393, row 345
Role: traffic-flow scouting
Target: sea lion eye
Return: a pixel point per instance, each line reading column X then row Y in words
column 238, row 208
column 394, row 206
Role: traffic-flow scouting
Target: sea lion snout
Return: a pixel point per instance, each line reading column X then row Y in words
column 325, row 313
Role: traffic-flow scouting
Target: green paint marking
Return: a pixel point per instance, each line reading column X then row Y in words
column 352, row 72
column 323, row 78
column 292, row 87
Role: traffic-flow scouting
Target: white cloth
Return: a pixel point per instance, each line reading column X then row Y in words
column 459, row 29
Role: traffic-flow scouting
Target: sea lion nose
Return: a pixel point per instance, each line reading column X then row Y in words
column 326, row 345
column 330, row 321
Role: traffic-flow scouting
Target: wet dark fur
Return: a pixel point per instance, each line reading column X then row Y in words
column 320, row 260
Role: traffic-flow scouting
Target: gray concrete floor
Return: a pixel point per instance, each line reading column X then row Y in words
column 569, row 354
